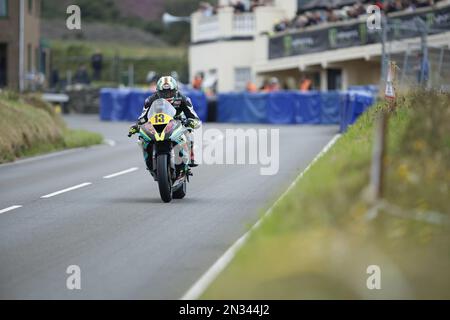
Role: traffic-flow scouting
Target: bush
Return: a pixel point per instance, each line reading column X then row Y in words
column 30, row 126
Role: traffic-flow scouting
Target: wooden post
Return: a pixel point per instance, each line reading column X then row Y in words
column 377, row 172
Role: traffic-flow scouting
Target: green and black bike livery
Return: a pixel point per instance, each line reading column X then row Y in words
column 166, row 150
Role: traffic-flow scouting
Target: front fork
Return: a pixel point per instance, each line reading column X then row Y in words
column 149, row 153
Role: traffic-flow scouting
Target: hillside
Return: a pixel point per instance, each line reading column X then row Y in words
column 139, row 14
column 54, row 29
column 100, row 10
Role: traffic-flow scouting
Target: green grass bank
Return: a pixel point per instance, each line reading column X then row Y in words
column 319, row 241
column 29, row 126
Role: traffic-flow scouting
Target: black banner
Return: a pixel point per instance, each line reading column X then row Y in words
column 235, row 310
column 356, row 34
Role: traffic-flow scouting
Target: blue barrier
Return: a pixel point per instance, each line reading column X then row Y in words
column 136, row 103
column 281, row 108
column 199, row 101
column 242, row 108
column 284, row 107
column 308, row 108
column 113, row 104
column 357, row 103
column 126, row 104
column 330, row 106
column 106, row 102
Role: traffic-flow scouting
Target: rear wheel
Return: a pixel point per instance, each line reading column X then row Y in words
column 180, row 193
column 164, row 181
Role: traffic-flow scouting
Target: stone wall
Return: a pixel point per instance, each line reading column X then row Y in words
column 86, row 100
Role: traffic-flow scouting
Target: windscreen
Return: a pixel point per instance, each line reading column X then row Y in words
column 161, row 106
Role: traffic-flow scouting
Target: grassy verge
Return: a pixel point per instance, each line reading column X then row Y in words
column 318, row 243
column 29, row 126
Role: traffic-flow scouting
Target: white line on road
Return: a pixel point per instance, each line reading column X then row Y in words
column 205, row 281
column 110, row 142
column 9, row 209
column 42, row 157
column 120, row 173
column 66, row 190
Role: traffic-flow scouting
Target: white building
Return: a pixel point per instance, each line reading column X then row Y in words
column 237, row 48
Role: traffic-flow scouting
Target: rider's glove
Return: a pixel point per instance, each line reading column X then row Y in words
column 191, row 123
column 133, row 130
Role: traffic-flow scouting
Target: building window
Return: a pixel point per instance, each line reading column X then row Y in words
column 3, row 8
column 30, row 6
column 241, row 77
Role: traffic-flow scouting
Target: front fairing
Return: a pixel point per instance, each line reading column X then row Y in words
column 173, row 131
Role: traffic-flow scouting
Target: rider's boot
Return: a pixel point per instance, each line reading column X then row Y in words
column 192, row 162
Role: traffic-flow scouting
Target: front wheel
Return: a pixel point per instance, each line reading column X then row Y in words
column 164, row 181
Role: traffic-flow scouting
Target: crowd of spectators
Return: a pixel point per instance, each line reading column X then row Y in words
column 273, row 84
column 319, row 16
column 239, row 6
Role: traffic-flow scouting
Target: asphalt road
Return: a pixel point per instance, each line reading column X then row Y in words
column 127, row 243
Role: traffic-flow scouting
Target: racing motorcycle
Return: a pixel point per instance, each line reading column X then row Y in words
column 166, row 150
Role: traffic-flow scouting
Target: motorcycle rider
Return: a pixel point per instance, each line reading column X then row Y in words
column 167, row 88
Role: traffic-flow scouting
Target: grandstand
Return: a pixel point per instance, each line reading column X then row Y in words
column 336, row 51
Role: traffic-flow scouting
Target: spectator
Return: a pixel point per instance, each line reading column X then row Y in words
column 54, row 79
column 331, row 16
column 82, row 76
column 272, row 85
column 355, row 11
column 238, row 6
column 97, row 65
column 254, row 4
column 251, row 87
column 281, row 26
column 305, row 84
column 206, row 9
column 197, row 83
column 152, row 79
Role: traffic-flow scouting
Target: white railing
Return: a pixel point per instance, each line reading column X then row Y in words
column 207, row 29
column 244, row 24
column 226, row 24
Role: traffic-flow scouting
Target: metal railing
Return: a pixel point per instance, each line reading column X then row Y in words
column 355, row 33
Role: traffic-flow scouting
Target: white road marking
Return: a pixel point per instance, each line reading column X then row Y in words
column 212, row 273
column 42, row 157
column 66, row 190
column 120, row 173
column 9, row 209
column 110, row 142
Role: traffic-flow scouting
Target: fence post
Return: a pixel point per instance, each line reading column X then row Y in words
column 69, row 77
column 131, row 75
column 384, row 39
column 377, row 172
